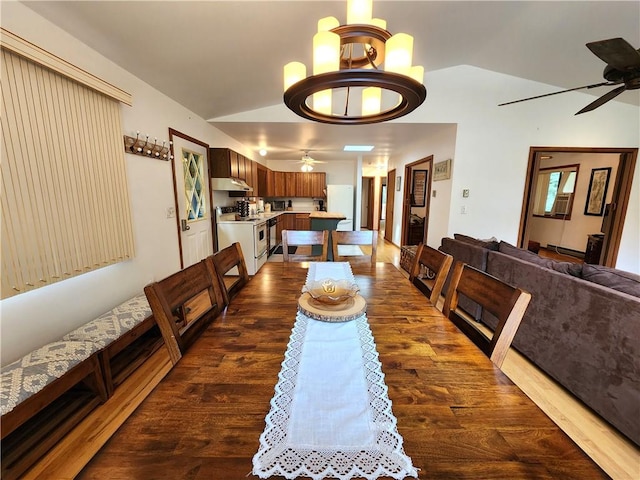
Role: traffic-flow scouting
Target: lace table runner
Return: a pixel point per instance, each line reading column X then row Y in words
column 331, row 415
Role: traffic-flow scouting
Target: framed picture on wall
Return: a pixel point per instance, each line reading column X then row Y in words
column 418, row 187
column 597, row 192
column 442, row 170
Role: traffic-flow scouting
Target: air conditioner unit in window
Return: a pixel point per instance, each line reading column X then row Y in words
column 562, row 204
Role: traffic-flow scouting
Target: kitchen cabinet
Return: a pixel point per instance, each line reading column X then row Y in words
column 279, row 227
column 226, row 163
column 261, row 180
column 302, row 221
column 279, row 188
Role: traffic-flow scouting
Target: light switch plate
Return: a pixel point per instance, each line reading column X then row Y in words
column 465, row 192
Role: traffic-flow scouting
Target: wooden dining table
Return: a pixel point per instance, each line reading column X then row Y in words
column 459, row 415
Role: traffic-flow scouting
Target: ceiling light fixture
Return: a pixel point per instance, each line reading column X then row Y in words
column 347, row 58
column 306, row 167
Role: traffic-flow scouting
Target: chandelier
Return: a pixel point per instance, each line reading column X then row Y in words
column 347, row 59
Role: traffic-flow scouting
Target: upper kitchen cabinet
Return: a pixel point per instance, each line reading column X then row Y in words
column 227, row 163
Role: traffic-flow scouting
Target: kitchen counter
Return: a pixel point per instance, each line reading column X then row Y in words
column 327, row 216
column 263, row 217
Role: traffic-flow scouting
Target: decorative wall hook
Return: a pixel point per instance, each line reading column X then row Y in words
column 142, row 146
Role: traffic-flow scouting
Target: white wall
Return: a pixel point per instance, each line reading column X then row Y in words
column 573, row 233
column 31, row 319
column 492, row 147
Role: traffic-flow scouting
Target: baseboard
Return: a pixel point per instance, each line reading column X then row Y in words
column 565, row 251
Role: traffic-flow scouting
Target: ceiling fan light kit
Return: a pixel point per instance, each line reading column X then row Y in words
column 348, row 58
column 623, row 67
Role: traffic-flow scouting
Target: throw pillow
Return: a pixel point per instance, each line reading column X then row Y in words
column 488, row 244
column 620, row 280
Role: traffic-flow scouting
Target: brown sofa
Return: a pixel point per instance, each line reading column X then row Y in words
column 582, row 326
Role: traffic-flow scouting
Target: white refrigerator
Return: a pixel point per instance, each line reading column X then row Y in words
column 340, row 199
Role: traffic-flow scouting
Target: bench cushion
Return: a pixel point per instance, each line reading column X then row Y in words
column 110, row 326
column 30, row 374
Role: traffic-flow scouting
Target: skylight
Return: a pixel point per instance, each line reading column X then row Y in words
column 358, row 148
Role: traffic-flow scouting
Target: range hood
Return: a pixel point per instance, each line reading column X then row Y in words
column 230, row 184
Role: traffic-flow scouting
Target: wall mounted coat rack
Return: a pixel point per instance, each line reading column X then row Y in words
column 143, row 146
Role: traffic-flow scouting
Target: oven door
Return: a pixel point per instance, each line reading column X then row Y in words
column 260, row 241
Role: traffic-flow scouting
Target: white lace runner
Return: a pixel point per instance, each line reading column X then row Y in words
column 331, row 415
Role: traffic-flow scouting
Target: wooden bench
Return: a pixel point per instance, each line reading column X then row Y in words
column 48, row 392
column 44, row 395
column 127, row 336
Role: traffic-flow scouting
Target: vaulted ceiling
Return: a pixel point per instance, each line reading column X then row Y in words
column 218, row 58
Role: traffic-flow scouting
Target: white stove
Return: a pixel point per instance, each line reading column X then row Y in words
column 251, row 233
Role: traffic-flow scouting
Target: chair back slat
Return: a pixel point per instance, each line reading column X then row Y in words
column 308, row 239
column 360, row 238
column 506, row 302
column 429, row 271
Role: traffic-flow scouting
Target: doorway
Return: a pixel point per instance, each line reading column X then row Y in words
column 416, row 202
column 391, row 198
column 607, row 220
column 192, row 197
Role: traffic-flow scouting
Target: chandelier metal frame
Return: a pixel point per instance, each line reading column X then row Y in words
column 352, row 74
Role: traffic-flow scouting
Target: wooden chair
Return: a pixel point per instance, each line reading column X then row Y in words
column 507, row 303
column 308, row 239
column 367, row 238
column 231, row 270
column 183, row 304
column 429, row 271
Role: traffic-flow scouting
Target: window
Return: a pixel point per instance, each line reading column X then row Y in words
column 555, row 191
column 65, row 198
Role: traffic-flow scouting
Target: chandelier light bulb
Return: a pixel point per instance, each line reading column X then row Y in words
column 417, row 73
column 371, row 101
column 322, row 102
column 293, row 73
column 326, row 52
column 398, row 53
column 359, row 11
column 379, row 22
column 327, row 23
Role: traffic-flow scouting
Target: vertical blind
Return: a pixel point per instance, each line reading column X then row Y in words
column 65, row 200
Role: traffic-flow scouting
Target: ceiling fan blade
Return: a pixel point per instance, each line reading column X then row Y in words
column 603, row 99
column 616, row 52
column 556, row 93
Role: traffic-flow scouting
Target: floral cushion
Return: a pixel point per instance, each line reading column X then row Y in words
column 29, row 375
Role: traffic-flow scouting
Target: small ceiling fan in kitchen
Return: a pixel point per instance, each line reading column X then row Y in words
column 623, row 69
column 307, row 162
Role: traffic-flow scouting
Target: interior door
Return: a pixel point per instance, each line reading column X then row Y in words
column 191, row 181
column 391, row 192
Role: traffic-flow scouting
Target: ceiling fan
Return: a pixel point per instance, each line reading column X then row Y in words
column 623, row 67
column 307, row 162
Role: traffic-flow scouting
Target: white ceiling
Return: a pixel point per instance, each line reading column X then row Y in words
column 218, row 58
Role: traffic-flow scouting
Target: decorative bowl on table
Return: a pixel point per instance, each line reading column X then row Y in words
column 330, row 291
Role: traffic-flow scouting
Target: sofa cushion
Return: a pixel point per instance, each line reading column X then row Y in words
column 569, row 268
column 610, row 277
column 490, row 244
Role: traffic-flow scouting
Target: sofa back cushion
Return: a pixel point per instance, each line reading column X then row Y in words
column 491, row 244
column 574, row 269
column 610, row 277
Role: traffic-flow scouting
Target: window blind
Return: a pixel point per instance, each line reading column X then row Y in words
column 65, row 200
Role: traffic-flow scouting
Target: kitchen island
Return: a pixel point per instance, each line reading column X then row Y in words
column 325, row 221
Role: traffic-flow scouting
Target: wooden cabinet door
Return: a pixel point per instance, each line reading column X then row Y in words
column 290, row 184
column 279, row 184
column 234, row 164
column 318, row 184
column 303, row 222
column 303, row 184
column 220, row 162
column 271, row 187
column 289, row 221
